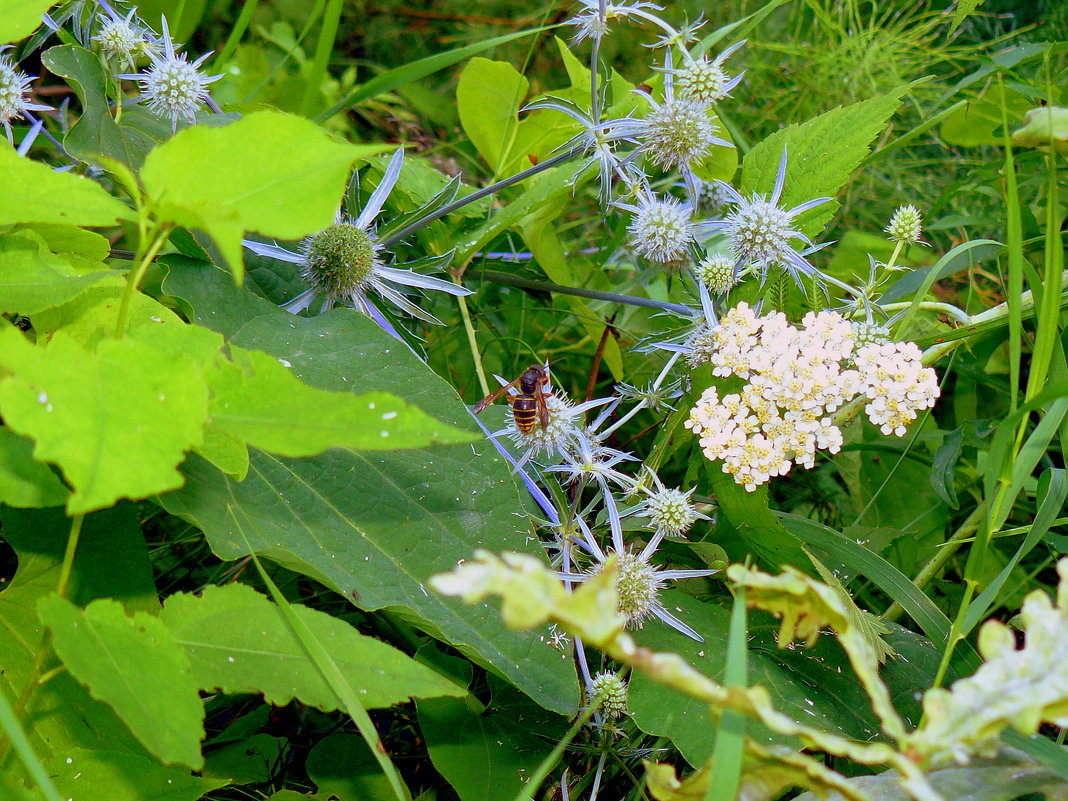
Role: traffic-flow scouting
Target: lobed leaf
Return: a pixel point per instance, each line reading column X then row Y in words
column 244, row 177
column 117, row 419
column 34, row 193
column 1017, row 688
column 135, row 666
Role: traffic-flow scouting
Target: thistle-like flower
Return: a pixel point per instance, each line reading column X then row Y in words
column 609, row 688
column 760, row 232
column 704, row 80
column 676, row 133
column 638, row 584
column 344, row 263
column 593, row 20
column 173, row 86
column 661, row 229
column 669, row 510
column 718, row 272
column 14, row 87
column 906, row 226
column 124, row 39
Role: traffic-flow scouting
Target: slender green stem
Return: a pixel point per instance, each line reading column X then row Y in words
column 611, row 297
column 556, row 160
column 248, row 8
column 473, row 342
column 33, row 680
column 133, row 279
column 948, row 309
column 547, row 764
column 16, row 735
column 942, row 555
column 68, row 558
column 323, row 48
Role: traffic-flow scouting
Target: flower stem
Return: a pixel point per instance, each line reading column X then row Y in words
column 549, row 163
column 135, row 276
column 610, row 297
column 473, row 342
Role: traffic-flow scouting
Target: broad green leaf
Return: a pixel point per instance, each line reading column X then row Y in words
column 33, row 193
column 488, row 756
column 253, row 761
column 246, row 175
column 808, row 686
column 134, row 665
column 488, row 97
column 20, row 18
column 24, row 482
column 111, row 562
column 110, row 775
column 373, row 526
column 71, row 240
column 95, row 132
column 32, row 278
column 342, row 766
column 981, row 121
column 117, row 419
column 257, row 399
column 821, row 155
column 262, row 656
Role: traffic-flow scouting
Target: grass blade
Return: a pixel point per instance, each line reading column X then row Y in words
column 391, row 79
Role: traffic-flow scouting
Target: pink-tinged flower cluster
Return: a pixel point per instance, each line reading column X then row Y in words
column 796, row 378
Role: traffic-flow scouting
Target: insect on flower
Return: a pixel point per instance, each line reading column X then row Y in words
column 529, row 405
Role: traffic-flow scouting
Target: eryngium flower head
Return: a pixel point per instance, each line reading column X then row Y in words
column 761, row 233
column 14, row 86
column 174, row 86
column 678, row 133
column 340, row 261
column 661, row 229
column 123, row 39
column 591, row 24
column 610, row 689
column 705, row 81
column 906, row 226
column 671, row 512
column 343, row 263
column 718, row 272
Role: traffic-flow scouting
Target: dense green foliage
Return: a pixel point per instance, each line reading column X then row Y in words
column 249, row 519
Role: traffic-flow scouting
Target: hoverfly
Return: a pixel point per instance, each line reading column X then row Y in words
column 529, row 404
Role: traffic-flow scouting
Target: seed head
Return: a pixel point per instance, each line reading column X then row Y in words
column 717, row 272
column 340, row 260
column 671, row 512
column 638, row 588
column 174, row 86
column 906, row 225
column 610, row 688
column 14, row 85
column 661, row 229
column 703, row 81
column 677, row 133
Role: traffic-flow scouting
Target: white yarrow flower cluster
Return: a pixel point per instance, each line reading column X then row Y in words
column 896, row 383
column 796, row 378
